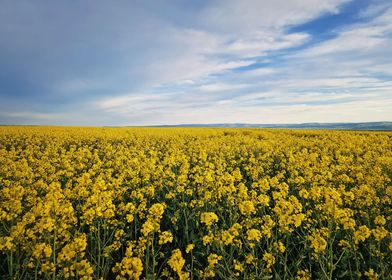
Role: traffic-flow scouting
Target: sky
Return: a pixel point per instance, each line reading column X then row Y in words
column 145, row 62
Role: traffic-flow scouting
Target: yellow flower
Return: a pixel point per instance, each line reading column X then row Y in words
column 130, row 208
column 132, row 267
column 156, row 210
column 361, row 234
column 269, row 259
column 266, row 229
column 6, row 243
column 280, row 247
column 213, row 259
column 250, row 259
column 149, row 226
column 165, row 237
column 348, row 223
column 253, row 235
column 227, row 237
column 68, row 194
column 42, row 250
column 177, row 262
column 371, row 274
column 189, row 248
column 318, row 243
column 82, row 270
column 263, row 199
column 380, row 220
column 379, row 233
column 238, row 266
column 303, row 275
column 73, row 249
column 344, row 244
column 247, row 207
column 209, row 218
column 207, row 239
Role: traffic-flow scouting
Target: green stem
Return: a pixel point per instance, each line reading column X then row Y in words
column 54, row 253
column 99, row 248
column 11, row 265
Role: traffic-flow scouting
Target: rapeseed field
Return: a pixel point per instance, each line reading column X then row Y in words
column 189, row 203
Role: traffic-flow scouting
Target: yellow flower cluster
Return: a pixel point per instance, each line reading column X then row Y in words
column 253, row 235
column 247, row 207
column 209, row 218
column 177, row 262
column 213, row 260
column 130, row 267
column 269, row 260
column 165, row 237
column 179, row 203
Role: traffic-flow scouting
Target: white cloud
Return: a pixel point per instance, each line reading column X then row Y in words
column 131, row 101
column 359, row 39
column 362, row 38
column 258, row 44
column 243, row 16
column 257, row 72
column 221, row 87
column 32, row 115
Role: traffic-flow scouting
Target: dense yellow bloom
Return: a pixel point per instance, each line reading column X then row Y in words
column 318, row 243
column 177, row 262
column 81, row 270
column 288, row 212
column 165, row 237
column 379, row 233
column 130, row 268
column 149, row 226
column 361, row 234
column 130, row 208
column 157, row 210
column 269, row 260
column 42, row 249
column 253, row 235
column 99, row 203
column 209, row 218
column 6, row 244
column 267, row 226
column 380, row 220
column 247, row 207
column 73, row 249
column 263, row 199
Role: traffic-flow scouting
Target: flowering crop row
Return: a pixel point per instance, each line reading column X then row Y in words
column 165, row 203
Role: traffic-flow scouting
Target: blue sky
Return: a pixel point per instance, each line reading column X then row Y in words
column 172, row 62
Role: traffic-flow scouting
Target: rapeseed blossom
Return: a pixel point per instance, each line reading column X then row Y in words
column 209, row 218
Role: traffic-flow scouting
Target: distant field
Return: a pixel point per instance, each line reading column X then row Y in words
column 194, row 203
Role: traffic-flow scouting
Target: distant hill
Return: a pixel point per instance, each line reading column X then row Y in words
column 337, row 126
